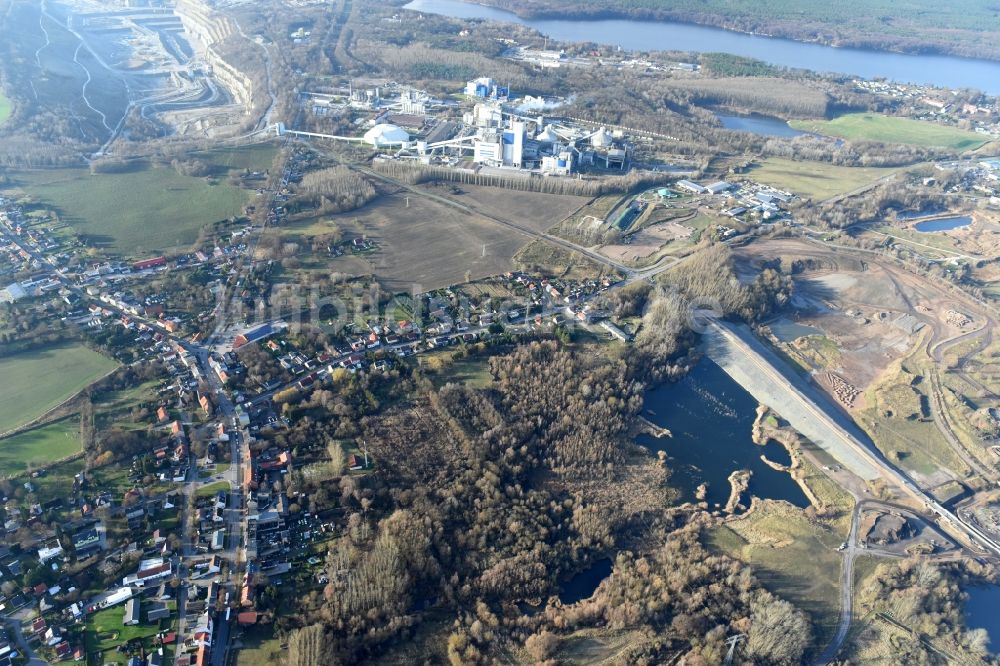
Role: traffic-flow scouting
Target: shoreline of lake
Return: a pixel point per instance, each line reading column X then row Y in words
column 613, row 15
column 946, row 71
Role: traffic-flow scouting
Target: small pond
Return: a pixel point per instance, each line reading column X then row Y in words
column 912, row 214
column 756, row 123
column 787, row 330
column 982, row 611
column 582, row 585
column 943, row 224
column 711, row 418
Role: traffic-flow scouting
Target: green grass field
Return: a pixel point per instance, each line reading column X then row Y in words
column 105, row 631
column 473, row 371
column 792, row 557
column 889, row 129
column 896, row 423
column 814, row 180
column 259, row 648
column 34, row 382
column 39, row 446
column 145, row 211
column 114, row 406
column 256, row 158
column 5, row 108
column 212, row 488
column 311, row 226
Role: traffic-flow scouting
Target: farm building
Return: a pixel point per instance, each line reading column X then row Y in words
column 718, row 188
column 908, row 324
column 131, row 617
column 12, row 293
column 615, row 331
column 118, row 596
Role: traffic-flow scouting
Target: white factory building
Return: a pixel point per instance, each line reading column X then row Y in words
column 385, row 135
column 501, row 147
column 486, row 87
column 502, row 139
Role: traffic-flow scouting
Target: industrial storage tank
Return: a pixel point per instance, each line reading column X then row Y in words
column 601, row 138
column 386, row 135
column 547, row 135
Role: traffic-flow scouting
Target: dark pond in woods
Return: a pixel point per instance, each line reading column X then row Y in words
column 582, row 585
column 711, row 418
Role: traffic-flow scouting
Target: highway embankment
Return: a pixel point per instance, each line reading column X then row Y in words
column 773, row 383
column 764, row 376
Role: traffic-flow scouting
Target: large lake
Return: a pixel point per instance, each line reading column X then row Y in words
column 945, row 71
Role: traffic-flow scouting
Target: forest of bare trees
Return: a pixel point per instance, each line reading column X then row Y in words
column 666, row 590
column 709, row 280
column 337, row 189
column 928, row 598
column 471, row 514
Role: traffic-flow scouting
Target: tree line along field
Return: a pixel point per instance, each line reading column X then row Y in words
column 815, row 180
column 890, row 129
column 36, row 381
column 148, row 209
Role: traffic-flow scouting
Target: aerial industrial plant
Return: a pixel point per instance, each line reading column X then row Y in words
column 491, row 131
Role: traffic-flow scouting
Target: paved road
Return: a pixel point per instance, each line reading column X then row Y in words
column 850, row 553
column 846, row 589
